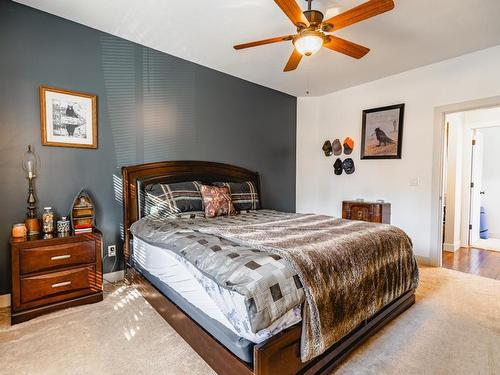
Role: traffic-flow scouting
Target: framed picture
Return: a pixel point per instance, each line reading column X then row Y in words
column 68, row 118
column 382, row 132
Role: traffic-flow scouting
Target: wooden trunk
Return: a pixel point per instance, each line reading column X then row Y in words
column 374, row 212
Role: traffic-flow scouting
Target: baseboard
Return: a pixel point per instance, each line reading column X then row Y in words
column 451, row 247
column 423, row 261
column 5, row 300
column 494, row 235
column 112, row 277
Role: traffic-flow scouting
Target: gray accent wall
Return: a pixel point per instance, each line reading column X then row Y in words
column 151, row 107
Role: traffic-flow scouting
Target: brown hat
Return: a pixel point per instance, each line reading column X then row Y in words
column 327, row 148
column 337, row 147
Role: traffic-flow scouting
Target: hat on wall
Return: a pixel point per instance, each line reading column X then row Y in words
column 337, row 167
column 348, row 145
column 337, row 147
column 327, row 148
column 348, row 165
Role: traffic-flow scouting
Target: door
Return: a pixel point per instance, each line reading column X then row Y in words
column 475, row 190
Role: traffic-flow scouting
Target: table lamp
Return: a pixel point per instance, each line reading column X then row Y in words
column 30, row 167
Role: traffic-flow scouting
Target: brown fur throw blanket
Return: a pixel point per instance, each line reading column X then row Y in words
column 349, row 269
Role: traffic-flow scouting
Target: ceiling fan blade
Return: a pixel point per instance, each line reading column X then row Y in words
column 293, row 11
column 344, row 46
column 293, row 61
column 360, row 13
column 265, row 41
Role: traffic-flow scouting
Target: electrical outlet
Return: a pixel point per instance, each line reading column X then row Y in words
column 111, row 250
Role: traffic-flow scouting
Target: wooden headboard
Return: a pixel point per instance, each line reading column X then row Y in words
column 136, row 177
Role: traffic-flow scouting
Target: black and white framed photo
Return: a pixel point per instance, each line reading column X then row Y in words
column 68, row 118
column 382, row 132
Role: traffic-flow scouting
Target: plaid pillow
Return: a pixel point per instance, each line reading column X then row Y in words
column 172, row 199
column 243, row 194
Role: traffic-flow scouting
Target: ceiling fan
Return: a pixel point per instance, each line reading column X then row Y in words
column 313, row 32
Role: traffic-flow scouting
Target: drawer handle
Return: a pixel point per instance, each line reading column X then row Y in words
column 64, row 283
column 59, row 257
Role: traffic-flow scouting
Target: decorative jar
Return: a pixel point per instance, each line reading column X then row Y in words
column 48, row 220
column 63, row 225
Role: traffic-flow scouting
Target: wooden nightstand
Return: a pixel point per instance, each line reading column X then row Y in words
column 50, row 274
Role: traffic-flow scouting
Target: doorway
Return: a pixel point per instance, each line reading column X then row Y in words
column 471, row 192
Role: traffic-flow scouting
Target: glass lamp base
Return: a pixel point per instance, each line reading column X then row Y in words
column 32, row 226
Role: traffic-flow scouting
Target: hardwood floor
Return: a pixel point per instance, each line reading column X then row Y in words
column 476, row 261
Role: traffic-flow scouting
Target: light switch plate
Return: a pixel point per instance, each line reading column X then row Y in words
column 414, row 181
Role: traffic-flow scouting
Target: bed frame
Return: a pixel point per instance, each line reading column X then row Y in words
column 279, row 354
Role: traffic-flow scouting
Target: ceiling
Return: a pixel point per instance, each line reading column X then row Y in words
column 415, row 33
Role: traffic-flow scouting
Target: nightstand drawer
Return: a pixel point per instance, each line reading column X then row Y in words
column 56, row 256
column 58, row 285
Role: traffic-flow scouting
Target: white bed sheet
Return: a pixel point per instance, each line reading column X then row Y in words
column 221, row 304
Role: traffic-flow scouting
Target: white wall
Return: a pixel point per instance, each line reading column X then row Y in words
column 481, row 118
column 338, row 115
column 491, row 178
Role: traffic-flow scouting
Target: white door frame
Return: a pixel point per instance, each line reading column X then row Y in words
column 475, row 186
column 438, row 171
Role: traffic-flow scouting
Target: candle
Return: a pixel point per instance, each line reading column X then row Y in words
column 19, row 230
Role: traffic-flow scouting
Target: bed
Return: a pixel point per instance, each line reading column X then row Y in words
column 168, row 281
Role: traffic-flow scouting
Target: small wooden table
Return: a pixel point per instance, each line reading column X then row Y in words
column 53, row 272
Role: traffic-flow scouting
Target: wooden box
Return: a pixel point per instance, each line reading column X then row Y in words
column 374, row 212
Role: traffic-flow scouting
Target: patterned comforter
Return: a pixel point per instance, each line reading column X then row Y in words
column 347, row 270
column 269, row 284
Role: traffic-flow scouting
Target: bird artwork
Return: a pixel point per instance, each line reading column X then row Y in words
column 382, row 138
column 70, row 111
column 382, row 132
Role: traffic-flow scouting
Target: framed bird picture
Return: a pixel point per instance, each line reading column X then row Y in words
column 382, row 132
column 68, row 118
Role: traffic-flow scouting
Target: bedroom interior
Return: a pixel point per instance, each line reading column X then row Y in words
column 177, row 201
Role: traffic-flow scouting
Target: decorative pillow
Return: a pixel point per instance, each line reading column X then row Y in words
column 217, row 201
column 173, row 199
column 243, row 194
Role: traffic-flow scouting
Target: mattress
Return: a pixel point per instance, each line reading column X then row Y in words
column 239, row 346
column 201, row 292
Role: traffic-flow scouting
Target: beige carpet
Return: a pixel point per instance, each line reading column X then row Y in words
column 454, row 328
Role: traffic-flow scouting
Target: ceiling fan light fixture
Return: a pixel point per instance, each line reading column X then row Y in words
column 309, row 42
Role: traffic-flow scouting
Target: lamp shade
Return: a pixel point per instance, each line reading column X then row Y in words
column 30, row 163
column 309, row 42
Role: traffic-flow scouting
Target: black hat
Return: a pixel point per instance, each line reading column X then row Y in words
column 337, row 147
column 327, row 148
column 348, row 166
column 337, row 167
